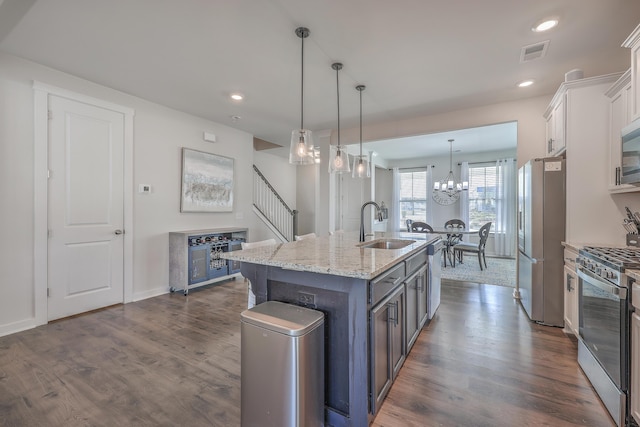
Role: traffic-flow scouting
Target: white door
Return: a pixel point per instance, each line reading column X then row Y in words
column 86, row 207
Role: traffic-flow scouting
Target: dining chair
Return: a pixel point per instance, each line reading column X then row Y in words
column 305, row 236
column 408, row 222
column 421, row 227
column 452, row 238
column 461, row 247
column 251, row 297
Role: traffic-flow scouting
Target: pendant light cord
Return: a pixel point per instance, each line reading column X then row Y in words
column 302, row 87
column 360, row 90
column 338, row 92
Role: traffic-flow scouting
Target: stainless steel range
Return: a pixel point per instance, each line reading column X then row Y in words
column 604, row 343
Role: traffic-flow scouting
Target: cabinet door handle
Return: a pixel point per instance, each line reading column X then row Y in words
column 393, row 318
column 569, row 282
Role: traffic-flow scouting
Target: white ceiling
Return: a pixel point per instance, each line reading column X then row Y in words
column 416, row 57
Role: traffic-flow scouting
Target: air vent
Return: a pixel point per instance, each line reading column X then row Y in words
column 534, row 51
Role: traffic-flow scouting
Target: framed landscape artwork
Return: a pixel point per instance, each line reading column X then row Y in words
column 207, row 182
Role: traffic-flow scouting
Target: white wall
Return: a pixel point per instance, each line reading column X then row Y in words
column 384, row 186
column 159, row 134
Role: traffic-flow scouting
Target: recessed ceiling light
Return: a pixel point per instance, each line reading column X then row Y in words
column 545, row 25
column 237, row 96
column 525, row 83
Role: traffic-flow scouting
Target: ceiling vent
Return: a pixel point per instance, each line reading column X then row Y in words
column 534, row 51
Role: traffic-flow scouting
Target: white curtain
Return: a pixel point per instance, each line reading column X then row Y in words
column 464, row 198
column 505, row 226
column 429, row 193
column 394, row 211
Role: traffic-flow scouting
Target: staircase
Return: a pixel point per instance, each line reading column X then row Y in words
column 272, row 210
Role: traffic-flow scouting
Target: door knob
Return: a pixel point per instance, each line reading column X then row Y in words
column 118, row 232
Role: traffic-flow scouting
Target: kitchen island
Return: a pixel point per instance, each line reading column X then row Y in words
column 370, row 298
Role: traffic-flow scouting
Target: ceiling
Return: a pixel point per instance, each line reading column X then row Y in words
column 416, row 57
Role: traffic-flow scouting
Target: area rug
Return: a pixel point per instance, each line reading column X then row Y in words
column 499, row 271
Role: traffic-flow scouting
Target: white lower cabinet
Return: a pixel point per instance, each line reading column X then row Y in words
column 635, row 366
column 634, row 381
column 570, row 301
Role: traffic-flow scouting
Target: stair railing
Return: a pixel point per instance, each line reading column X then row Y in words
column 272, row 207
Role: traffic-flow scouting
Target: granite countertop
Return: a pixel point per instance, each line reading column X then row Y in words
column 576, row 246
column 337, row 255
column 634, row 274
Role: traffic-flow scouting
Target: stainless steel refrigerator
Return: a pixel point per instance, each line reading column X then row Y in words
column 541, row 229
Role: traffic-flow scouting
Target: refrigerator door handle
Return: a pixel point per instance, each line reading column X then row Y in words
column 533, row 260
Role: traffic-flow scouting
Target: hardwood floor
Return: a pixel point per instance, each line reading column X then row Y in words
column 175, row 361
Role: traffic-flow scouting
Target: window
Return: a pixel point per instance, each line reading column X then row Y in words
column 413, row 196
column 483, row 185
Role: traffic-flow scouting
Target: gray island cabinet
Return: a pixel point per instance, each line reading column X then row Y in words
column 368, row 296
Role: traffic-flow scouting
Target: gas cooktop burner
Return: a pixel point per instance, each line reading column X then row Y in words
column 618, row 258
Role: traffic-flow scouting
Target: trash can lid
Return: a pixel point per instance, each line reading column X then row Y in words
column 284, row 318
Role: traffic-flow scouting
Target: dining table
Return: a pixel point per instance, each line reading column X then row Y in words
column 448, row 246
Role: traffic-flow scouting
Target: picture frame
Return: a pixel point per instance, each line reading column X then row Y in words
column 207, row 182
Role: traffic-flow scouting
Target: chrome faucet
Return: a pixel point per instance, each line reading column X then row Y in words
column 378, row 212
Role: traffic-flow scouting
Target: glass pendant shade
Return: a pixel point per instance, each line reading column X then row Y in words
column 338, row 160
column 361, row 167
column 301, row 151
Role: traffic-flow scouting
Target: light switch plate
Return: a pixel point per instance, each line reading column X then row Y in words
column 211, row 137
column 144, row 189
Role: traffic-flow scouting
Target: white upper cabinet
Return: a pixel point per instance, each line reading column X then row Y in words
column 555, row 118
column 619, row 116
column 633, row 43
column 586, row 147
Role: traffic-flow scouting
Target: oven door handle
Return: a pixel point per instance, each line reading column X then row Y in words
column 601, row 284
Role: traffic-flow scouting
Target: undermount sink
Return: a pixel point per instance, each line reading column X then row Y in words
column 386, row 244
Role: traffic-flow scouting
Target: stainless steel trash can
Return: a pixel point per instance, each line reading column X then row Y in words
column 282, row 357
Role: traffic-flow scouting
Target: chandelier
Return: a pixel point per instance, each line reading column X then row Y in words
column 449, row 188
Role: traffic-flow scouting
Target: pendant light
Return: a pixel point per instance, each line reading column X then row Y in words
column 448, row 186
column 361, row 167
column 338, row 157
column 301, row 149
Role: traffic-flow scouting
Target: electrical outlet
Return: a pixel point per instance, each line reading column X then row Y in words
column 306, row 299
